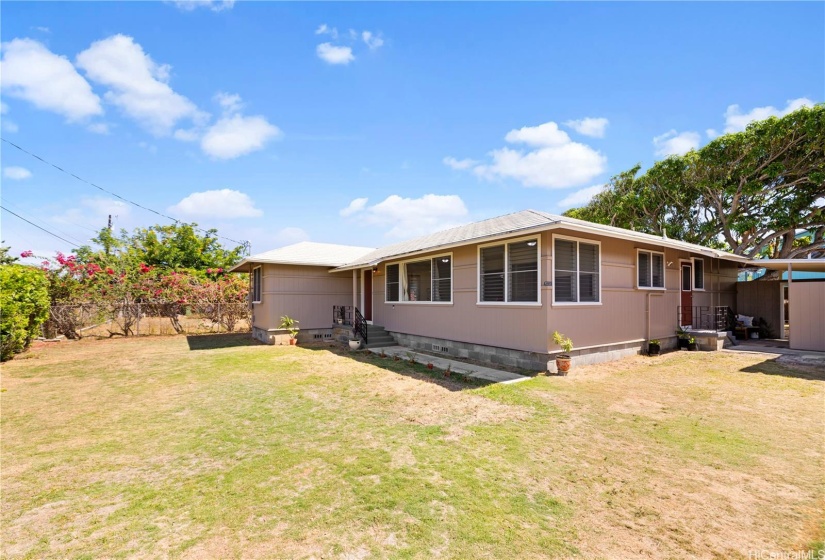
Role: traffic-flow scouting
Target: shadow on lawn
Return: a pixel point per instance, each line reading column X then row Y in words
column 455, row 382
column 787, row 366
column 213, row 341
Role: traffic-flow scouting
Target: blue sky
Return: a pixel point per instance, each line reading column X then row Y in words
column 367, row 123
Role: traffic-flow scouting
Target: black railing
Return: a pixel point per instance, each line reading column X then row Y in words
column 360, row 326
column 705, row 317
column 342, row 314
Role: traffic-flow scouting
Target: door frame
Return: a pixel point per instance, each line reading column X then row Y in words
column 782, row 287
column 363, row 295
column 685, row 263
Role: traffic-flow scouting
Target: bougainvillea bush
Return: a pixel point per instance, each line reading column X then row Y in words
column 121, row 292
column 24, row 305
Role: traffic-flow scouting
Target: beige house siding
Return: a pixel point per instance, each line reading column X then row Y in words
column 503, row 326
column 306, row 293
column 807, row 312
column 622, row 316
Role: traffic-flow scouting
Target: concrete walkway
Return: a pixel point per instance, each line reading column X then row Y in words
column 802, row 357
column 470, row 370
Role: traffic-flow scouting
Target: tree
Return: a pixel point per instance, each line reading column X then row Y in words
column 5, row 258
column 750, row 192
column 173, row 247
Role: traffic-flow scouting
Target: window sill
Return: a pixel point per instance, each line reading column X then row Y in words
column 576, row 304
column 418, row 303
column 651, row 289
column 508, row 304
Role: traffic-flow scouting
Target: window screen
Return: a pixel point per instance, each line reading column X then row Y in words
column 576, row 271
column 492, row 273
column 256, row 284
column 651, row 269
column 392, row 282
column 698, row 274
column 442, row 279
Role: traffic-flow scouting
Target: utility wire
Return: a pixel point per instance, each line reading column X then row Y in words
column 38, row 227
column 17, row 208
column 244, row 243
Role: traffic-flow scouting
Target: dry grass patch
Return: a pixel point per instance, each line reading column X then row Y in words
column 223, row 448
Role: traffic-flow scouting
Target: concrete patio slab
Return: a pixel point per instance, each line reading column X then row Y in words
column 470, row 370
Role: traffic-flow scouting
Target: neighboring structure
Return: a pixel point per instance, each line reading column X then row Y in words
column 497, row 289
column 797, row 301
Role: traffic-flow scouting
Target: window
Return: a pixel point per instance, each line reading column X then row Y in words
column 256, row 284
column 698, row 273
column 424, row 280
column 509, row 273
column 576, row 271
column 650, row 267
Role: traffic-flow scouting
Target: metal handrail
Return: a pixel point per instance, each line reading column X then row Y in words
column 360, row 326
column 720, row 317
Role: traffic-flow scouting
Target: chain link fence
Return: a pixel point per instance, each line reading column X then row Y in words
column 79, row 320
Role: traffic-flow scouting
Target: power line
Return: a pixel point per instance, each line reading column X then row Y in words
column 82, row 180
column 38, row 227
column 7, row 202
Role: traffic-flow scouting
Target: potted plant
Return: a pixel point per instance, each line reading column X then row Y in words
column 653, row 347
column 682, row 337
column 563, row 360
column 692, row 346
column 429, row 365
column 354, row 344
column 290, row 325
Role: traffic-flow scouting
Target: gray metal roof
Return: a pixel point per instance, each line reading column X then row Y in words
column 521, row 222
column 306, row 253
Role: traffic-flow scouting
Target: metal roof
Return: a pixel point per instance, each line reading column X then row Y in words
column 526, row 221
column 808, row 265
column 306, row 253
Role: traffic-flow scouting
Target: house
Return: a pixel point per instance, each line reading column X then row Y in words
column 495, row 290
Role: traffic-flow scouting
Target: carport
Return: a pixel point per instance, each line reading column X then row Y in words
column 805, row 301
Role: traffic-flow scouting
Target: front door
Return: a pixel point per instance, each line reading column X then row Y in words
column 367, row 295
column 687, row 295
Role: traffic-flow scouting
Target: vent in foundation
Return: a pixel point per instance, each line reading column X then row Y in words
column 439, row 348
column 322, row 335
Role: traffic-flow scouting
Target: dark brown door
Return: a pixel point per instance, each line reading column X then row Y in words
column 368, row 295
column 687, row 295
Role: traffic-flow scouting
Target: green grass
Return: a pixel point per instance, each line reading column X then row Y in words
column 217, row 447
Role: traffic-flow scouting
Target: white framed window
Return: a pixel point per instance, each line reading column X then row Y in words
column 698, row 274
column 509, row 272
column 650, row 270
column 420, row 281
column 577, row 270
column 256, row 284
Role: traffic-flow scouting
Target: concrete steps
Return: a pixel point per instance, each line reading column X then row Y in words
column 379, row 337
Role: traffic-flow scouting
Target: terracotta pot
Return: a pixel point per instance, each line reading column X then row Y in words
column 563, row 365
column 429, row 366
column 293, row 341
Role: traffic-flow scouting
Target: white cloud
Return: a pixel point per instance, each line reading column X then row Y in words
column 289, row 235
column 42, row 29
column 10, row 126
column 711, row 133
column 214, row 5
column 138, row 84
column 237, row 135
column 223, row 203
column 673, row 143
column 3, row 108
column 334, row 54
column 556, row 162
column 355, row 206
column 324, row 29
column 547, row 134
column 101, row 207
column 589, row 126
column 409, row 217
column 229, row 102
column 459, row 164
column 98, row 128
column 737, row 121
column 580, row 197
column 371, row 40
column 32, row 72
column 16, row 173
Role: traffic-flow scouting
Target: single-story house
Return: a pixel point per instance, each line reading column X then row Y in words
column 497, row 289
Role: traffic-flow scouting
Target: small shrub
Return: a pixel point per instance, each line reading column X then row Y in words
column 24, row 306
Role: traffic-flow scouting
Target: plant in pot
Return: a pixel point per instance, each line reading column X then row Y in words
column 354, row 344
column 291, row 326
column 563, row 360
column 653, row 347
column 692, row 346
column 682, row 337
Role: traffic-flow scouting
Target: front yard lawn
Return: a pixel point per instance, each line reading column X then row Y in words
column 219, row 448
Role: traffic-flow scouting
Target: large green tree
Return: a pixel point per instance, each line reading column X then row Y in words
column 175, row 247
column 751, row 192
